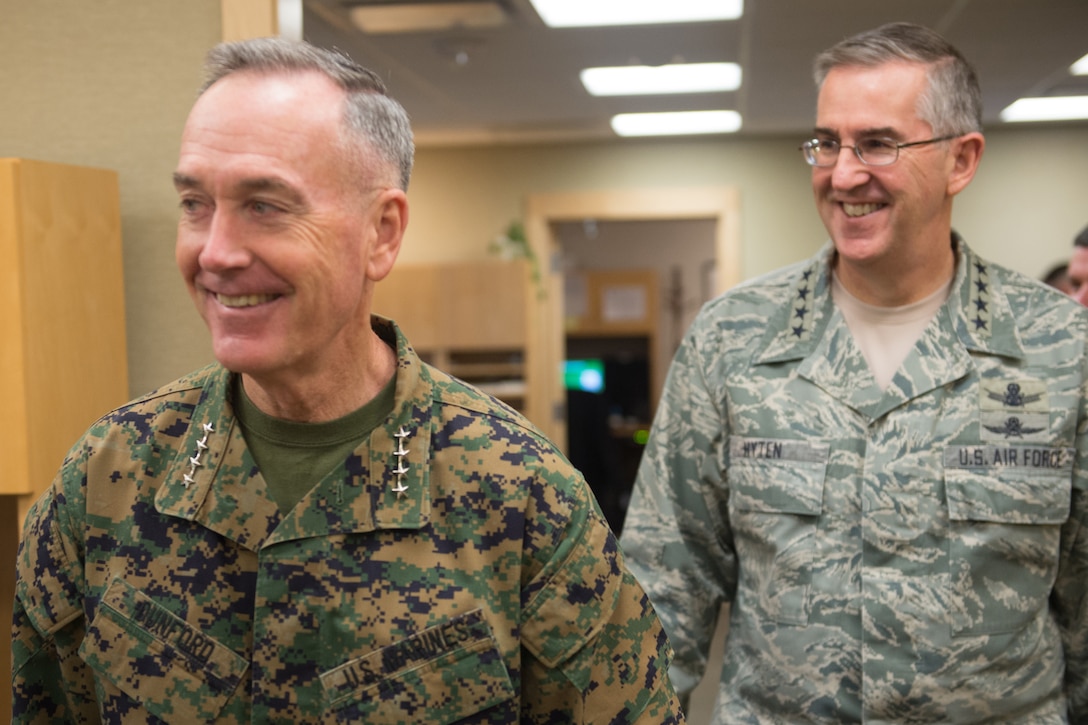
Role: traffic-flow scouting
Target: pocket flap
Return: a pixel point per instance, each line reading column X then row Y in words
column 440, row 675
column 1008, row 484
column 777, row 476
column 170, row 667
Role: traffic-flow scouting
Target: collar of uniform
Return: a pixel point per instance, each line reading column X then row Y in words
column 388, row 486
column 387, row 481
column 794, row 329
column 206, row 481
column 400, row 450
column 981, row 313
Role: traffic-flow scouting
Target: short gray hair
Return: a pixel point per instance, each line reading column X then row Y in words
column 373, row 120
column 1081, row 240
column 952, row 101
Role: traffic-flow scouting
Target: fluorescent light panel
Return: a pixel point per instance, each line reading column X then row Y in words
column 1080, row 68
column 584, row 13
column 426, row 17
column 1051, row 108
column 676, row 124
column 636, row 80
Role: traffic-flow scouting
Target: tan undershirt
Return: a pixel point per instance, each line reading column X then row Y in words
column 886, row 335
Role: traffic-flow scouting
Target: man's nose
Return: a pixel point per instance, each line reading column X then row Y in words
column 225, row 246
column 848, row 171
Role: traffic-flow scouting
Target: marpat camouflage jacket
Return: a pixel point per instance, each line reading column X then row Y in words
column 454, row 569
column 911, row 555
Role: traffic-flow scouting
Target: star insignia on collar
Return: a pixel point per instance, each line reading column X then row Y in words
column 401, row 468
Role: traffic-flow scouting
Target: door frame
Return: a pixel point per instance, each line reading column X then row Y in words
column 545, row 322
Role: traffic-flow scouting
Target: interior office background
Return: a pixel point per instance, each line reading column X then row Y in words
column 109, row 83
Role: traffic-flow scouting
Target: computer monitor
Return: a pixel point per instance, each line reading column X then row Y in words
column 586, row 375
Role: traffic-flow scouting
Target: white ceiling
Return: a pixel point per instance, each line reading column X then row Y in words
column 520, row 83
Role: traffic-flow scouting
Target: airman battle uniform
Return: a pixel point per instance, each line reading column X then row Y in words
column 453, row 569
column 906, row 555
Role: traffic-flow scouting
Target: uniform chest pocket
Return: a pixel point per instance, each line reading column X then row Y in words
column 776, row 490
column 171, row 668
column 440, row 675
column 1006, row 505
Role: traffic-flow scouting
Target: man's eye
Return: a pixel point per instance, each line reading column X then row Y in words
column 262, row 208
column 828, row 145
column 189, row 206
column 877, row 145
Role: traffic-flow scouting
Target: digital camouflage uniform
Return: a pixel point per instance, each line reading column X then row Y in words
column 158, row 581
column 912, row 555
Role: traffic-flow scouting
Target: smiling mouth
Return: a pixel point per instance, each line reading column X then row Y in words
column 244, row 300
column 855, row 210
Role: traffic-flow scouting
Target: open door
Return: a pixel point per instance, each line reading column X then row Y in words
column 547, row 345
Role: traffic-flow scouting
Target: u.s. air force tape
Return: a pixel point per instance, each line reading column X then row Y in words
column 994, row 456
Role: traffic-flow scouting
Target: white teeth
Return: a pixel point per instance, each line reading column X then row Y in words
column 243, row 300
column 860, row 209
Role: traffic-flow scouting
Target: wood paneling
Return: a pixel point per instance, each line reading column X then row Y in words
column 63, row 361
column 470, row 319
column 63, row 318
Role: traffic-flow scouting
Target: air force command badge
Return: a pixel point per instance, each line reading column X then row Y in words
column 1014, row 411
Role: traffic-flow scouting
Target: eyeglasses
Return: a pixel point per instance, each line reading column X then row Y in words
column 870, row 151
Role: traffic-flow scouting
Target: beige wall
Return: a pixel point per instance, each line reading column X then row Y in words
column 1029, row 198
column 1023, row 208
column 108, row 83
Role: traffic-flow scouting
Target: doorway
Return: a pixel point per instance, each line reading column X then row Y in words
column 552, row 220
column 632, row 288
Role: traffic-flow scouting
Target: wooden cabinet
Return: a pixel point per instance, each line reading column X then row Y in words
column 472, row 320
column 63, row 361
column 612, row 302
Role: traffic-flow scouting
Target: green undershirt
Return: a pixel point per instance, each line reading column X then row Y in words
column 294, row 457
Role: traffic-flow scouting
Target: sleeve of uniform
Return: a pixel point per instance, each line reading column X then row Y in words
column 597, row 651
column 50, row 683
column 676, row 534
column 1070, row 594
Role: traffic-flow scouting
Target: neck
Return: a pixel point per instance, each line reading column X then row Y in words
column 897, row 283
column 325, row 396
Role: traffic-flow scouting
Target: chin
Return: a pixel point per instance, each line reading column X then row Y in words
column 241, row 358
column 859, row 246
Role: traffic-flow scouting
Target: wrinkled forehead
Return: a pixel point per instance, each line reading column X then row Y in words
column 260, row 127
column 872, row 99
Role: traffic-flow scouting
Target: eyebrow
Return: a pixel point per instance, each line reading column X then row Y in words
column 886, row 131
column 245, row 186
column 184, row 181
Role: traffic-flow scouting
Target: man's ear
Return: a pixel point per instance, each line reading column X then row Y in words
column 390, row 220
column 967, row 153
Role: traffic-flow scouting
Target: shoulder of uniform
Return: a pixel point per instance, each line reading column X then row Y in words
column 1026, row 292
column 195, row 380
column 184, row 393
column 766, row 291
column 452, row 391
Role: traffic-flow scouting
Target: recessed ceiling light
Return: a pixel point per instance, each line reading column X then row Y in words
column 582, row 13
column 1080, row 68
column 635, row 80
column 676, row 123
column 1050, row 108
column 426, row 17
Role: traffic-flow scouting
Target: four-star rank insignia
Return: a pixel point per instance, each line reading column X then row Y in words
column 195, row 461
column 401, row 468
